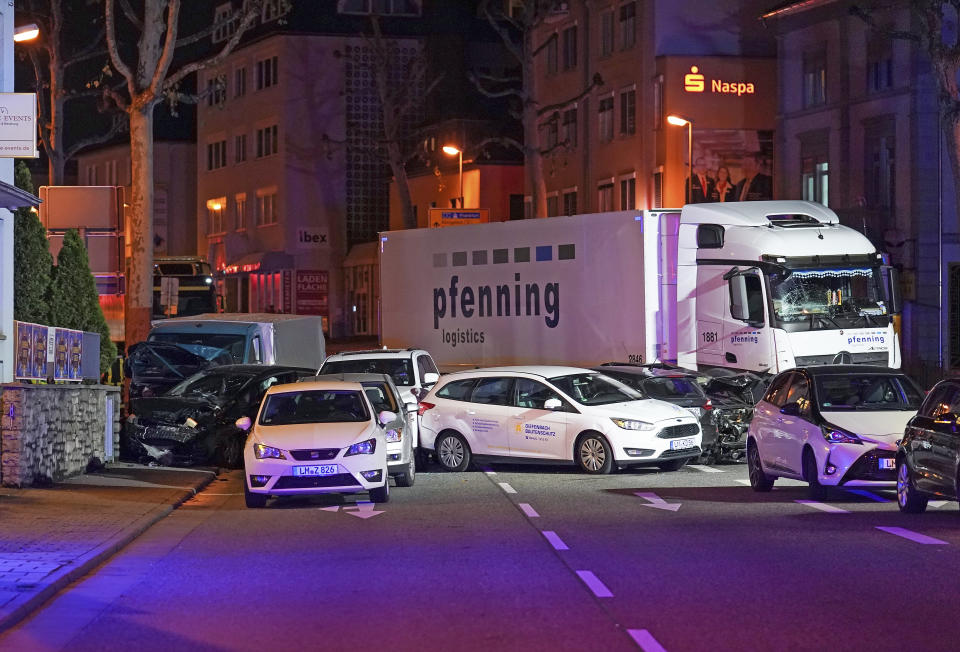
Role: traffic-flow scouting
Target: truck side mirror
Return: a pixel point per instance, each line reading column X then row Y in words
column 430, row 378
column 411, row 407
column 891, row 278
column 738, row 298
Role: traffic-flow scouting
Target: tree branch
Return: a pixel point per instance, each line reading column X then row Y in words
column 595, row 83
column 497, row 80
column 115, row 59
column 514, row 92
column 512, row 48
column 166, row 54
column 117, row 126
column 130, row 14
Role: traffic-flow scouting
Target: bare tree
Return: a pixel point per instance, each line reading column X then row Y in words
column 398, row 102
column 150, row 79
column 52, row 58
column 935, row 30
column 517, row 31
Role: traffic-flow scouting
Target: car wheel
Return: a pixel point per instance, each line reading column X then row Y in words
column 408, row 477
column 381, row 494
column 815, row 490
column 673, row 465
column 593, row 454
column 254, row 501
column 909, row 500
column 759, row 480
column 452, row 451
column 232, row 454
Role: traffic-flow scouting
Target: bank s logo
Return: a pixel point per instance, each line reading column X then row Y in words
column 693, row 81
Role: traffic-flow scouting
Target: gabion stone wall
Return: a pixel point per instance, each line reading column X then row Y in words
column 51, row 432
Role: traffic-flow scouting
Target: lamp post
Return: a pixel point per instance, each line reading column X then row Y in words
column 680, row 121
column 25, row 32
column 450, row 150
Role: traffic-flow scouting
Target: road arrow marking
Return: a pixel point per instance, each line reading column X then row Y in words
column 330, row 509
column 362, row 510
column 656, row 501
column 937, row 504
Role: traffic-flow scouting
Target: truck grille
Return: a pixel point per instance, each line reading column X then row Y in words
column 873, row 357
column 683, row 430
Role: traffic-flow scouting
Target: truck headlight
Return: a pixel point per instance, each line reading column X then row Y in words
column 633, row 424
column 836, row 435
column 264, row 452
column 362, row 448
column 394, row 436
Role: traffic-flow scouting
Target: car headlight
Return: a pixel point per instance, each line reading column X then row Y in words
column 263, row 452
column 633, row 424
column 362, row 448
column 835, row 435
column 393, row 436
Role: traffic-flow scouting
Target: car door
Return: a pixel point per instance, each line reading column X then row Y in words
column 921, row 431
column 534, row 430
column 767, row 421
column 488, row 415
column 943, row 439
column 797, row 427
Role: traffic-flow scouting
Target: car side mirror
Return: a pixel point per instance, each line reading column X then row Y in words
column 552, row 404
column 411, row 407
column 791, row 409
column 430, row 378
column 386, row 417
column 243, row 423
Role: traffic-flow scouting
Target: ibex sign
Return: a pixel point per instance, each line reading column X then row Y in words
column 18, row 125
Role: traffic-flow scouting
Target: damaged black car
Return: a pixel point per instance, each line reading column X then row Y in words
column 194, row 422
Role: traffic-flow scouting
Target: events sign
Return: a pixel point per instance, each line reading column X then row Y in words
column 44, row 351
column 18, row 125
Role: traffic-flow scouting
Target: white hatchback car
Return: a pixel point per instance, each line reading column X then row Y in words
column 830, row 425
column 315, row 438
column 554, row 414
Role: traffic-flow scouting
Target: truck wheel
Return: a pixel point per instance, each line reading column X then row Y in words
column 381, row 494
column 408, row 477
column 452, row 451
column 593, row 454
column 254, row 501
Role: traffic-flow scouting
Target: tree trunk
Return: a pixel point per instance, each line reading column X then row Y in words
column 533, row 160
column 139, row 293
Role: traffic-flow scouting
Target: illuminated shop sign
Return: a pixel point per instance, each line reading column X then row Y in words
column 696, row 82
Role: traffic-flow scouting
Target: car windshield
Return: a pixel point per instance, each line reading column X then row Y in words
column 671, row 388
column 206, row 345
column 380, row 396
column 843, row 392
column 314, row 406
column 399, row 369
column 207, row 384
column 829, row 298
column 595, row 389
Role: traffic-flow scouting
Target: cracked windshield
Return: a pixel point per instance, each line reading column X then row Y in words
column 822, row 299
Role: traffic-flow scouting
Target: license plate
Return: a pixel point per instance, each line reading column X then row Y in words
column 686, row 442
column 322, row 469
column 887, row 463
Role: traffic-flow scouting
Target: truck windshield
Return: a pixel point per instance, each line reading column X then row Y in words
column 829, row 298
column 207, row 345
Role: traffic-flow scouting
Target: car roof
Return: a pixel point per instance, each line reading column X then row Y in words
column 255, row 368
column 314, row 385
column 647, row 372
column 852, row 369
column 373, row 353
column 353, row 378
column 542, row 371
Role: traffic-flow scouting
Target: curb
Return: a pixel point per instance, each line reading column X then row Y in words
column 80, row 567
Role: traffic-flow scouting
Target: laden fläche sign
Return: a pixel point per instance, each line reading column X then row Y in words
column 312, row 292
column 18, row 125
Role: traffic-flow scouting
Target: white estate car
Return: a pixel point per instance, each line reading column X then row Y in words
column 559, row 414
column 830, row 425
column 313, row 438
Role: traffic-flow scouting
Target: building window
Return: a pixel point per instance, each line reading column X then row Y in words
column 570, row 202
column 606, row 34
column 628, row 112
column 381, row 7
column 570, row 127
column 216, row 90
column 224, row 23
column 570, row 48
column 110, row 167
column 879, row 64
column 240, row 81
column 267, row 141
column 814, row 79
column 628, row 194
column 240, row 210
column 215, row 210
column 266, row 207
column 628, row 25
column 658, row 102
column 550, row 134
column 658, row 189
column 816, row 180
column 91, row 175
column 880, row 177
column 270, row 11
column 553, row 205
column 216, row 155
column 605, row 197
column 240, row 148
column 268, row 73
column 606, row 119
column 552, row 54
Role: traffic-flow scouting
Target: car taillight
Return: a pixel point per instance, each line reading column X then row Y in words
column 423, row 406
column 708, row 405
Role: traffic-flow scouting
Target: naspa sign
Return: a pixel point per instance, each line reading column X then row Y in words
column 18, row 125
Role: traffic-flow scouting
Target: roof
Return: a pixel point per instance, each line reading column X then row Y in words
column 12, row 197
column 307, row 386
column 372, row 353
column 255, row 368
column 353, row 378
column 754, row 213
column 792, row 7
column 852, row 369
column 649, row 372
column 268, row 317
column 544, row 371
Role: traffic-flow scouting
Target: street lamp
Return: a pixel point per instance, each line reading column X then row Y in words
column 680, row 121
column 26, row 32
column 450, row 150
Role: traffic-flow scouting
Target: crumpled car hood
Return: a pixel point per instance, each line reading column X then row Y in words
column 173, row 410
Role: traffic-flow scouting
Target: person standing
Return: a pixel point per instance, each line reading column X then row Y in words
column 755, row 185
column 702, row 184
column 723, row 188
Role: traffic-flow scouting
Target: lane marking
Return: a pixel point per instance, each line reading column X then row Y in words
column 507, row 488
column 913, row 536
column 705, row 469
column 205, row 493
column 528, row 510
column 489, row 472
column 937, row 504
column 742, row 481
column 594, row 584
column 822, row 506
column 555, row 540
column 870, row 495
column 645, row 640
column 656, row 501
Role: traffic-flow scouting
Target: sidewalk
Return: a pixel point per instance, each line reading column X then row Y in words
column 50, row 537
